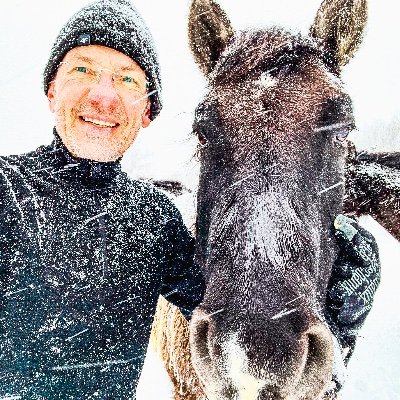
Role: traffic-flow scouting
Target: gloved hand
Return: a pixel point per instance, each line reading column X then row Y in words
column 355, row 278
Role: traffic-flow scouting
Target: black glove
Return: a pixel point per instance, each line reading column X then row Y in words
column 355, row 278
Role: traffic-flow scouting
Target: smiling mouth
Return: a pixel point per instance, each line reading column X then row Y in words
column 99, row 123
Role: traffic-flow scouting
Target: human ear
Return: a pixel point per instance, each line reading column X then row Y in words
column 146, row 116
column 51, row 97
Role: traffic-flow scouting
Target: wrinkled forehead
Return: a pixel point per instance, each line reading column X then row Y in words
column 102, row 56
column 250, row 52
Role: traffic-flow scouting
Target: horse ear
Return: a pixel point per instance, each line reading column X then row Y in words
column 209, row 30
column 339, row 26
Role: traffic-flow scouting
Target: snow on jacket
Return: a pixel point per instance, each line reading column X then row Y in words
column 84, row 254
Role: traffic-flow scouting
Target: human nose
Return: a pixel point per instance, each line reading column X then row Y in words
column 103, row 91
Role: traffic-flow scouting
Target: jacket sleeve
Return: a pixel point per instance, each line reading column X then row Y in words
column 183, row 283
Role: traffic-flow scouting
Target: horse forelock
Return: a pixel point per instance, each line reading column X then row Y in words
column 251, row 51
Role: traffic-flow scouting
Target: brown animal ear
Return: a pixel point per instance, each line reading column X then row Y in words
column 339, row 25
column 209, row 31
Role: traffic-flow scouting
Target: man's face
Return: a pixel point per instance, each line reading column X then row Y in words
column 100, row 102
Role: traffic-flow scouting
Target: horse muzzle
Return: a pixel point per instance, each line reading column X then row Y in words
column 273, row 363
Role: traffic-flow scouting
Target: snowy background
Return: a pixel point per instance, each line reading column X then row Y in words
column 165, row 149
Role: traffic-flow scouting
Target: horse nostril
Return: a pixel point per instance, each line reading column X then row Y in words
column 318, row 365
column 206, row 357
column 199, row 329
column 316, row 350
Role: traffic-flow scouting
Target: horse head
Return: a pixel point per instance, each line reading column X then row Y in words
column 272, row 132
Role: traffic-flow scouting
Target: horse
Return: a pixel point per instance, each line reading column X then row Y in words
column 275, row 171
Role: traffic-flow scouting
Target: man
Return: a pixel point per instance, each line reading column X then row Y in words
column 84, row 250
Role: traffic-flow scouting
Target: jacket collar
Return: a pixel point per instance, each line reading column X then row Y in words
column 88, row 172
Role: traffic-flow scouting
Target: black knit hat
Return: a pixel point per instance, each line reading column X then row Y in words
column 115, row 24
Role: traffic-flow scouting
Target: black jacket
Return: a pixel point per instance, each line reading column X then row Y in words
column 84, row 254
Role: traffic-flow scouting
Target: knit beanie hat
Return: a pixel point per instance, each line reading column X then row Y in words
column 116, row 24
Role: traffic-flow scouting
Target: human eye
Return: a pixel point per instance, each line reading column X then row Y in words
column 127, row 79
column 81, row 69
column 83, row 72
column 130, row 82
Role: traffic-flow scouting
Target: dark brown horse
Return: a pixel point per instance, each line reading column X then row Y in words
column 275, row 171
column 272, row 131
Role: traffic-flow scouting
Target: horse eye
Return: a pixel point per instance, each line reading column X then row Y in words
column 286, row 69
column 202, row 139
column 342, row 135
